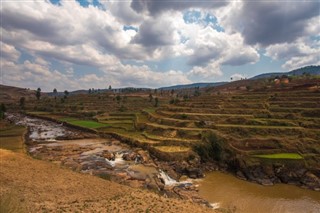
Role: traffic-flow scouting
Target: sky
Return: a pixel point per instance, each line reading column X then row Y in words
column 71, row 45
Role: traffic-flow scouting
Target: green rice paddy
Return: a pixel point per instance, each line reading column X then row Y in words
column 88, row 124
column 294, row 156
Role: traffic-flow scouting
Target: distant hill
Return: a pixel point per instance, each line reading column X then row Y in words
column 312, row 70
column 200, row 85
column 61, row 94
column 95, row 91
column 10, row 94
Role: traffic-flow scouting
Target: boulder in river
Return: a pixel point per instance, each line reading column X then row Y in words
column 195, row 172
column 108, row 155
column 130, row 156
column 144, row 155
column 311, row 181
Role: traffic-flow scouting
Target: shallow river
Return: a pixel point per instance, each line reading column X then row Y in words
column 222, row 190
column 227, row 191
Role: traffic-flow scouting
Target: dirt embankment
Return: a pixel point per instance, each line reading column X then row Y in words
column 30, row 185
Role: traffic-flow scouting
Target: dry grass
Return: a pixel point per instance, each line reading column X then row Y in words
column 29, row 185
column 172, row 148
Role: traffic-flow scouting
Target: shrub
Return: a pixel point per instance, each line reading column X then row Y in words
column 22, row 102
column 3, row 109
column 156, row 102
column 184, row 116
column 74, row 107
column 118, row 98
column 122, row 108
column 174, row 101
column 201, row 123
column 211, row 148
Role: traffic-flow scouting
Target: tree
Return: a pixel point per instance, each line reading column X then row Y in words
column 197, row 91
column 3, row 109
column 110, row 88
column 172, row 91
column 150, row 97
column 22, row 102
column 89, row 91
column 38, row 93
column 55, row 93
column 156, row 102
column 118, row 98
column 66, row 93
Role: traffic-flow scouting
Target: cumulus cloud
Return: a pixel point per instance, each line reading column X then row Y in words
column 32, row 75
column 297, row 54
column 236, row 77
column 154, row 7
column 270, row 22
column 62, row 26
column 124, row 12
column 142, row 75
column 155, row 33
column 9, row 52
column 38, row 35
column 209, row 44
column 209, row 72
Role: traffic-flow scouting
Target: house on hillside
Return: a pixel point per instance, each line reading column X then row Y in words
column 281, row 80
column 285, row 80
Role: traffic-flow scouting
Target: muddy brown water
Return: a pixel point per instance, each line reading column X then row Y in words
column 227, row 191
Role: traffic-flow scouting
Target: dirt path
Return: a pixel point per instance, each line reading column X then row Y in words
column 30, row 185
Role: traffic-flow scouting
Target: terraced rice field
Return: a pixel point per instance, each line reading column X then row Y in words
column 249, row 123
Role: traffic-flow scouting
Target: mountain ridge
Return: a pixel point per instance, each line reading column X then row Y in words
column 312, row 70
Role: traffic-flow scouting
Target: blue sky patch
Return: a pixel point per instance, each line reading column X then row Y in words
column 205, row 19
column 56, row 2
column 128, row 27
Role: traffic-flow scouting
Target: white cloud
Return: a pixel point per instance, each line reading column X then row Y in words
column 270, row 22
column 69, row 34
column 236, row 77
column 132, row 75
column 123, row 11
column 9, row 52
column 96, row 38
column 208, row 49
column 156, row 7
column 298, row 54
column 207, row 73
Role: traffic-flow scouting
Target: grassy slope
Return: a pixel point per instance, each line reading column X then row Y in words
column 29, row 185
